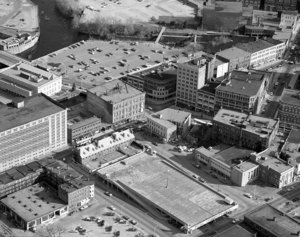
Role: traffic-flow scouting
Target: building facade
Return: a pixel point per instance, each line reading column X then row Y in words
column 160, row 87
column 26, row 80
column 116, row 102
column 289, row 110
column 169, row 123
column 192, row 76
column 242, row 91
column 76, row 194
column 88, row 126
column 263, row 51
column 236, row 58
column 244, row 130
column 244, row 173
column 33, row 128
column 277, row 5
column 256, row 4
column 206, row 98
column 288, row 19
column 104, row 146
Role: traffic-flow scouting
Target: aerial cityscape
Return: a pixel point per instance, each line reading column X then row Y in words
column 149, row 118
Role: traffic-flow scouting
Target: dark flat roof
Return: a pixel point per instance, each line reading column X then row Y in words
column 34, row 108
column 243, row 83
column 33, row 202
column 256, row 46
column 210, row 88
column 115, row 91
column 291, row 97
column 282, row 225
column 235, row 231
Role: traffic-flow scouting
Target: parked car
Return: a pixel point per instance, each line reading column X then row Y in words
column 108, row 194
column 111, row 208
column 133, row 222
column 248, row 195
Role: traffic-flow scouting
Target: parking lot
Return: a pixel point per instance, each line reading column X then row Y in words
column 90, row 63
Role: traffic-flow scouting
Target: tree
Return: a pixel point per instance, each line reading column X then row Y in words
column 53, row 230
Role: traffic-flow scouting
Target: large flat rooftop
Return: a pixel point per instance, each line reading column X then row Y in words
column 282, row 225
column 28, row 75
column 33, row 202
column 290, row 97
column 161, row 185
column 34, row 108
column 252, row 123
column 256, row 46
column 229, row 155
column 115, row 91
column 90, row 63
column 173, row 115
column 233, row 53
column 243, row 83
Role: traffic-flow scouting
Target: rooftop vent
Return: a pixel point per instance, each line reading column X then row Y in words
column 18, row 103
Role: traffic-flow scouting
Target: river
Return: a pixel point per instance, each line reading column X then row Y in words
column 56, row 30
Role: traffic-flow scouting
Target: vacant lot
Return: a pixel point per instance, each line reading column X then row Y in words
column 134, row 10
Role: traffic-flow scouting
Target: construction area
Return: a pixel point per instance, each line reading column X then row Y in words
column 132, row 11
column 152, row 181
column 102, row 61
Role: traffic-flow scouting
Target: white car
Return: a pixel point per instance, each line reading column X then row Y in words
column 248, row 195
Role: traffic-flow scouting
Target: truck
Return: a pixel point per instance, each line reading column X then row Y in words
column 229, row 201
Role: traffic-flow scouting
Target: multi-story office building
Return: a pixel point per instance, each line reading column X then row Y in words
column 256, row 4
column 26, row 80
column 116, row 102
column 206, row 98
column 192, row 76
column 160, row 87
column 275, row 172
column 288, row 19
column 31, row 129
column 289, row 109
column 76, row 193
column 242, row 91
column 290, row 150
column 244, row 130
column 78, row 129
column 236, row 58
column 263, row 51
column 169, row 123
column 281, row 5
